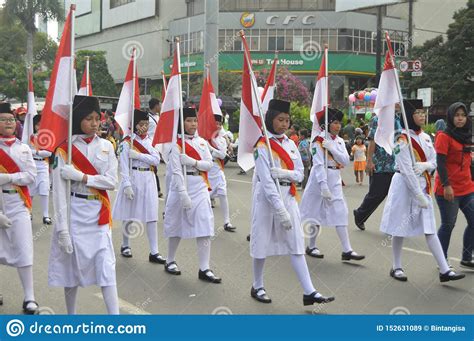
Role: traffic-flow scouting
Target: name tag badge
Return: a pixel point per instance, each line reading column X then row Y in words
column 293, row 154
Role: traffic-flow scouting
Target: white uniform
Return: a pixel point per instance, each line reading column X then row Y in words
column 269, row 238
column 197, row 221
column 144, row 206
column 314, row 209
column 93, row 260
column 216, row 174
column 16, row 242
column 402, row 215
column 41, row 184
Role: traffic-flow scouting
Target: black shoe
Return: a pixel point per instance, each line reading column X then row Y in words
column 47, row 221
column 160, row 195
column 174, row 271
column 350, row 256
column 400, row 277
column 126, row 251
column 208, row 276
column 29, row 311
column 359, row 224
column 314, row 252
column 450, row 276
column 248, row 237
column 469, row 264
column 263, row 297
column 229, row 228
column 311, row 299
column 157, row 258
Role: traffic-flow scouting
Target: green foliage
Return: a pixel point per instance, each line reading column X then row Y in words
column 25, row 11
column 101, row 80
column 429, row 128
column 229, row 83
column 300, row 116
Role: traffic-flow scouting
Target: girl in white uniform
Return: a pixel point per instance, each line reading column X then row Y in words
column 188, row 212
column 409, row 210
column 218, row 147
column 276, row 228
column 42, row 184
column 82, row 253
column 17, row 171
column 137, row 197
column 323, row 201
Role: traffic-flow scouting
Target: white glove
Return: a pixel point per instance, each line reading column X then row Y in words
column 128, row 191
column 64, row 241
column 43, row 153
column 185, row 199
column 5, row 179
column 421, row 167
column 186, row 160
column 279, row 173
column 133, row 154
column 285, row 219
column 325, row 192
column 328, row 144
column 69, row 172
column 422, row 200
column 5, row 223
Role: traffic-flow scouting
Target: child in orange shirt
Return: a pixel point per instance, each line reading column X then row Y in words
column 359, row 154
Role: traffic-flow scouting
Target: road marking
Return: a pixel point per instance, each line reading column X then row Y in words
column 242, row 181
column 127, row 307
column 428, row 253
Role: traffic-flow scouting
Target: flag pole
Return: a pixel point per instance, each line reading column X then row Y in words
column 181, row 115
column 326, row 108
column 164, row 80
column 259, row 107
column 132, row 110
column 87, row 77
column 400, row 97
column 275, row 60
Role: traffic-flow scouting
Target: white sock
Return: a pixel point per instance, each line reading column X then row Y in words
column 397, row 244
column 258, row 264
column 44, row 201
column 344, row 238
column 435, row 247
column 26, row 278
column 314, row 231
column 301, row 268
column 225, row 208
column 204, row 252
column 70, row 295
column 152, row 233
column 111, row 299
column 125, row 233
column 173, row 244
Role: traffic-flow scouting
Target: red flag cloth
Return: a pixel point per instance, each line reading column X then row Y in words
column 86, row 87
column 207, row 126
column 320, row 98
column 269, row 90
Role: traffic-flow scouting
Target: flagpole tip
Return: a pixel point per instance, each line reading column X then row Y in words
column 176, row 39
column 326, row 46
column 241, row 33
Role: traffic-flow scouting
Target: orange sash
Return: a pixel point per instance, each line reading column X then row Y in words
column 81, row 162
column 8, row 165
column 191, row 152
column 319, row 140
column 419, row 157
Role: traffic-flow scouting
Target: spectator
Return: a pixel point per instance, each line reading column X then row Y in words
column 349, row 129
column 359, row 153
column 305, row 152
column 293, row 133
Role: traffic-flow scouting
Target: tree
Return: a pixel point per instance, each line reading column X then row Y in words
column 25, row 11
column 448, row 67
column 101, row 80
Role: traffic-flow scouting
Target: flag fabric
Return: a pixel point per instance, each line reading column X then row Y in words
column 269, row 90
column 320, row 98
column 208, row 107
column 28, row 128
column 384, row 108
column 127, row 101
column 250, row 123
column 86, row 87
column 55, row 116
column 167, row 127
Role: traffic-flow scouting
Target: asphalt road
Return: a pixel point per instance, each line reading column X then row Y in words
column 360, row 288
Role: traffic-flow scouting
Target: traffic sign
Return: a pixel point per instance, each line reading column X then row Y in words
column 417, row 65
column 416, row 73
column 403, row 66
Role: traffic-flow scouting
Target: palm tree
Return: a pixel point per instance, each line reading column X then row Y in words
column 26, row 10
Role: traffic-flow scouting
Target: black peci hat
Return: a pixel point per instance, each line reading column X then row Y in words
column 279, row 105
column 6, row 108
column 81, row 107
column 333, row 115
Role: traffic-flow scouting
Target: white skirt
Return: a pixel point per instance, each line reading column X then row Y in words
column 41, row 184
column 217, row 182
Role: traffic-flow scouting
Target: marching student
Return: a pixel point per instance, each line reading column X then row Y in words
column 82, row 252
column 137, row 197
column 17, row 171
column 188, row 212
column 42, row 184
column 323, row 201
column 218, row 147
column 276, row 228
column 409, row 210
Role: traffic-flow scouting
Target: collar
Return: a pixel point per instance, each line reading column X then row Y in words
column 187, row 137
column 84, row 138
column 8, row 140
column 143, row 136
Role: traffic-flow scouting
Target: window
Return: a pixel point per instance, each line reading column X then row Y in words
column 117, row 3
column 276, row 43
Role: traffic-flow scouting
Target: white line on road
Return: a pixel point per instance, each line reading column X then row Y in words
column 242, row 181
column 428, row 253
column 127, row 307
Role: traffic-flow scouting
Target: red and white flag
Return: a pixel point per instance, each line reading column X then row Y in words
column 28, row 128
column 269, row 90
column 167, row 127
column 55, row 116
column 127, row 100
column 86, row 87
column 320, row 98
column 250, row 124
column 387, row 97
column 208, row 107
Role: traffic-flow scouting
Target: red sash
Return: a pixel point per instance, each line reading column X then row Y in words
column 319, row 140
column 220, row 162
column 80, row 161
column 419, row 157
column 8, row 165
column 191, row 152
column 139, row 147
column 281, row 153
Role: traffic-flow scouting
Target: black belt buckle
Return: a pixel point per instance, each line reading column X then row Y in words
column 283, row 183
column 38, row 159
column 85, row 196
column 193, row 173
column 141, row 169
column 9, row 191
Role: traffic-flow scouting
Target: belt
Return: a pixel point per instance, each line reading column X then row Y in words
column 333, row 167
column 141, row 169
column 85, row 196
column 38, row 158
column 197, row 173
column 284, row 183
column 9, row 191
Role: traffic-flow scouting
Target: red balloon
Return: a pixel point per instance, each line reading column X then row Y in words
column 361, row 95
